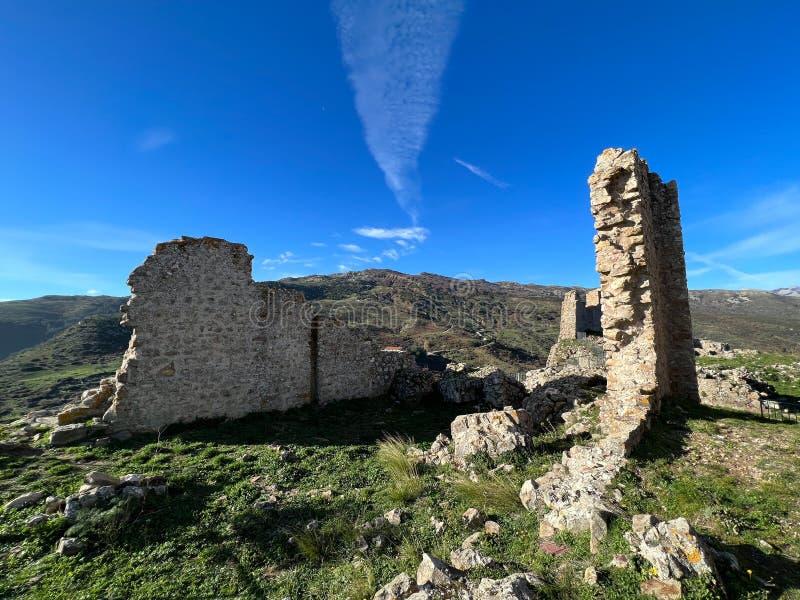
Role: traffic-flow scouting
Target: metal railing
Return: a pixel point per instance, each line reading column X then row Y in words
column 780, row 410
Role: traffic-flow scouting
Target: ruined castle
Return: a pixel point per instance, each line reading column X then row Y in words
column 209, row 342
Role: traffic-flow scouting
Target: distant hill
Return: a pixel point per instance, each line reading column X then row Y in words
column 58, row 369
column 509, row 324
column 793, row 292
column 25, row 323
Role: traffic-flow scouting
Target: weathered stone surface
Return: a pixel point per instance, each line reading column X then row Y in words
column 434, row 571
column 23, row 501
column 519, row 586
column 210, row 342
column 580, row 315
column 394, row 516
column 663, row 590
column 646, row 335
column 468, row 558
column 398, row 588
column 68, row 434
column 68, row 546
column 37, row 520
column 486, row 385
column 719, row 349
column 672, row 547
column 494, row 432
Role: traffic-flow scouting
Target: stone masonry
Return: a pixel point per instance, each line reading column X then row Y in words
column 580, row 315
column 210, row 342
column 646, row 335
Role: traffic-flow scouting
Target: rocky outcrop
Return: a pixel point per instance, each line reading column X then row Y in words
column 93, row 403
column 719, row 349
column 673, row 548
column 493, row 432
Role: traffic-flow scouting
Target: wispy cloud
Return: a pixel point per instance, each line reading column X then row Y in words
column 768, row 229
column 396, row 52
column 417, row 234
column 482, row 173
column 92, row 292
column 155, row 138
column 351, row 247
column 288, row 258
column 318, row 244
column 391, row 253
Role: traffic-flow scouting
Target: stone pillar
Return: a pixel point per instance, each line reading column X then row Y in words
column 572, row 309
column 645, row 302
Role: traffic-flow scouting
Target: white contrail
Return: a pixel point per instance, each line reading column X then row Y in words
column 482, row 173
column 396, row 52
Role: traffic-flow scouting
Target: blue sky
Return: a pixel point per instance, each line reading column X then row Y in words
column 448, row 137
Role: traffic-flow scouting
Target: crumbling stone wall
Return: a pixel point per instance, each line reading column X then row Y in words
column 645, row 301
column 580, row 315
column 210, row 342
column 351, row 366
column 647, row 338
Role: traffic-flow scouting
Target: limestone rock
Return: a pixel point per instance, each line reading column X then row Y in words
column 672, row 547
column 411, row 386
column 663, row 590
column 23, row 501
column 68, row 546
column 434, row 571
column 394, row 516
column 53, row 504
column 68, row 434
column 99, row 478
column 519, row 586
column 37, row 520
column 737, row 388
column 527, row 495
column 493, row 432
column 398, row 588
column 472, row 517
column 465, row 559
column 492, row 527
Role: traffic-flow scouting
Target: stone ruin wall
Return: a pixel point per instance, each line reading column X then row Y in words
column 209, row 342
column 645, row 301
column 580, row 315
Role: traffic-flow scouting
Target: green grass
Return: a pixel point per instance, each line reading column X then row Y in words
column 765, row 366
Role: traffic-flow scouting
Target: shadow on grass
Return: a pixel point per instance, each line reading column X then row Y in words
column 342, row 423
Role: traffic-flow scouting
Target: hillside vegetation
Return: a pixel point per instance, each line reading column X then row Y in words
column 507, row 324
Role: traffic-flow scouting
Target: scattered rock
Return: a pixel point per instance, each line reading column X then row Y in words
column 494, row 432
column 472, row 518
column 434, row 571
column 399, row 587
column 68, row 434
column 99, row 478
column 590, row 575
column 620, row 561
column 519, row 586
column 663, row 590
column 552, row 548
column 438, row 525
column 394, row 516
column 465, row 559
column 68, row 546
column 492, row 527
column 37, row 520
column 672, row 547
column 24, row 500
column 53, row 504
column 527, row 495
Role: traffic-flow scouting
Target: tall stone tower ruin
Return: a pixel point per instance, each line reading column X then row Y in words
column 647, row 327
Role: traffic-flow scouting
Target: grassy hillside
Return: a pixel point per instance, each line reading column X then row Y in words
column 58, row 369
column 25, row 323
column 217, row 533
